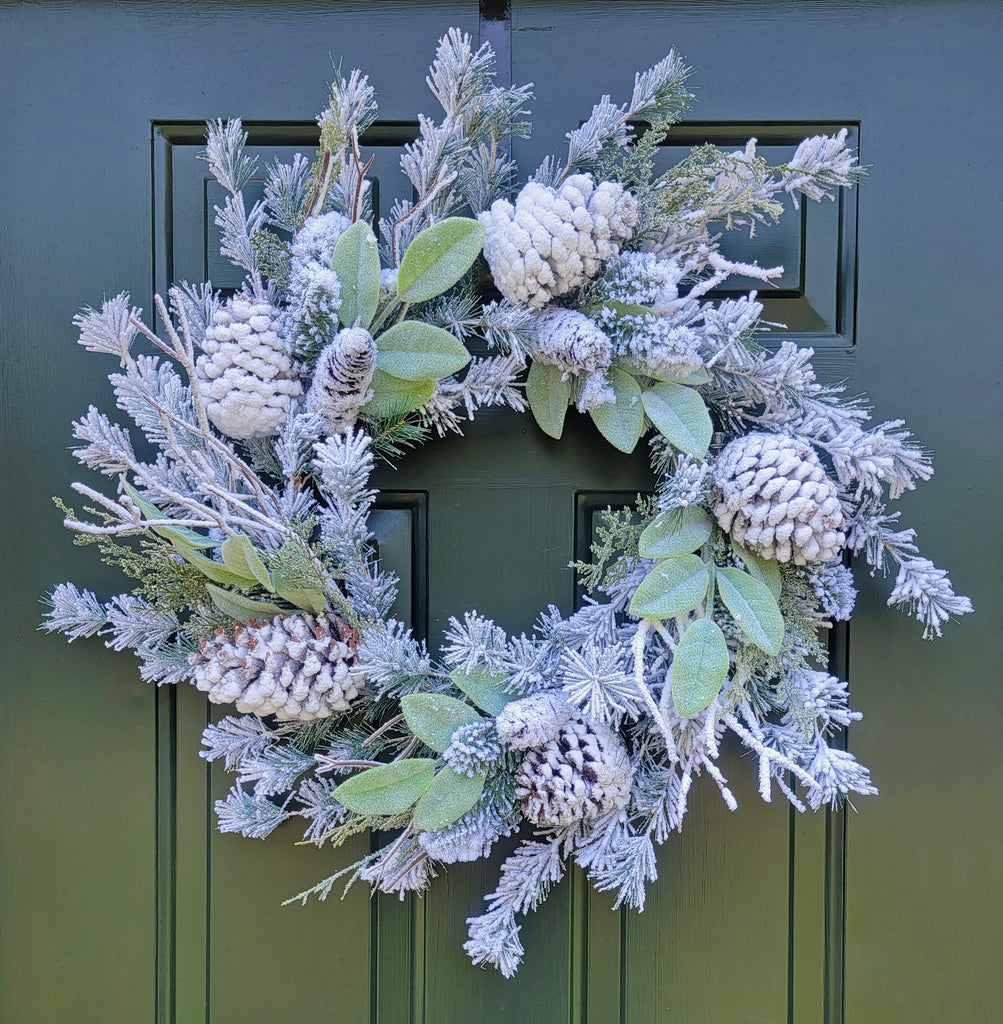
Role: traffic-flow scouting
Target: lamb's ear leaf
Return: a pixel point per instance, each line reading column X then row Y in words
column 681, row 416
column 621, row 422
column 310, row 599
column 212, row 570
column 766, row 570
column 548, row 394
column 699, row 667
column 674, row 587
column 676, row 531
column 416, row 351
column 695, row 377
column 239, row 556
column 438, row 257
column 389, row 789
column 484, row 686
column 620, row 309
column 434, row 717
column 449, row 797
column 175, row 534
column 753, row 608
column 393, row 396
column 241, row 608
column 356, row 263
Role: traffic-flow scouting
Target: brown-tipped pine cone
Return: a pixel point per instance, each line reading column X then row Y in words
column 583, row 773
column 342, row 377
column 773, row 497
column 297, row 667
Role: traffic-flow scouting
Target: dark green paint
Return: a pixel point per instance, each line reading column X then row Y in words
column 121, row 904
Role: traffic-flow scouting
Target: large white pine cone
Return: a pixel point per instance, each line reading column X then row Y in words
column 342, row 377
column 246, row 376
column 570, row 340
column 554, row 240
column 582, row 774
column 297, row 667
column 773, row 496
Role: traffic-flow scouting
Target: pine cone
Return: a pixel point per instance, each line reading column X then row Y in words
column 296, row 667
column 342, row 377
column 246, row 377
column 570, row 340
column 533, row 721
column 774, row 497
column 582, row 774
column 554, row 240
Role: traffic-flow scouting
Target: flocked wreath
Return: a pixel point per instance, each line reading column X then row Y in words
column 246, row 534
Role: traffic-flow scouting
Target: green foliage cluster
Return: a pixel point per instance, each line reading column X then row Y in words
column 614, row 551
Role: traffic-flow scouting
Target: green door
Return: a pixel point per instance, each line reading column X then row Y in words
column 121, row 905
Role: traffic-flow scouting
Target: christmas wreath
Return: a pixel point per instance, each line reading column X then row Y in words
column 246, row 531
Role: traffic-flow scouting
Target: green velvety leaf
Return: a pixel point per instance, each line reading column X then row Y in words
column 753, row 608
column 621, row 309
column 310, row 599
column 548, row 395
column 438, row 257
column 622, row 422
column 241, row 608
column 674, row 587
column 395, row 397
column 699, row 667
column 485, row 687
column 389, row 789
column 212, row 570
column 240, row 557
column 678, row 531
column 449, row 797
column 434, row 717
column 694, row 377
column 356, row 262
column 175, row 534
column 680, row 414
column 416, row 351
column 765, row 570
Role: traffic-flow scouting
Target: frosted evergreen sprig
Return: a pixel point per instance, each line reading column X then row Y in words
column 659, row 97
column 927, row 594
column 525, row 880
column 74, row 613
column 111, row 329
column 224, row 151
column 253, row 816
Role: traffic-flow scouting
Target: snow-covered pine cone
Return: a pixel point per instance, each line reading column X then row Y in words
column 554, row 240
column 534, row 720
column 570, row 340
column 246, row 376
column 582, row 774
column 773, row 496
column 342, row 377
column 296, row 667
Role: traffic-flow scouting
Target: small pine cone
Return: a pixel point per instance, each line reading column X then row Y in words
column 342, row 377
column 570, row 340
column 554, row 240
column 296, row 667
column 533, row 721
column 246, row 377
column 583, row 773
column 773, row 496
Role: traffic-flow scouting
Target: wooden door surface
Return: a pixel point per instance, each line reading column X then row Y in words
column 120, row 903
